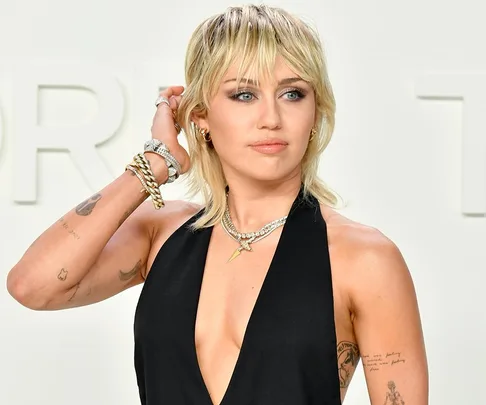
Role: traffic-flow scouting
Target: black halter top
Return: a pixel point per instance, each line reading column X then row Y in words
column 288, row 355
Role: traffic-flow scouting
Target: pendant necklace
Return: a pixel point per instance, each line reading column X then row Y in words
column 246, row 239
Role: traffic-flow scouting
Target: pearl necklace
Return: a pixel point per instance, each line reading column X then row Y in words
column 245, row 239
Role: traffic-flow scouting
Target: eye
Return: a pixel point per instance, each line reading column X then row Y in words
column 244, row 96
column 294, row 95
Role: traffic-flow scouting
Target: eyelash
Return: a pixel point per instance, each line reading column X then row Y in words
column 300, row 94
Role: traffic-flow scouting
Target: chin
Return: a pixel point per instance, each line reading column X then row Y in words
column 271, row 174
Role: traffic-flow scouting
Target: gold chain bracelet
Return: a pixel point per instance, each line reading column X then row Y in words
column 135, row 171
column 141, row 163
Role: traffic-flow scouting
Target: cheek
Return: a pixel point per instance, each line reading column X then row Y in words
column 230, row 126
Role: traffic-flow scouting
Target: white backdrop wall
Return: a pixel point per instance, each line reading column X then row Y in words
column 408, row 154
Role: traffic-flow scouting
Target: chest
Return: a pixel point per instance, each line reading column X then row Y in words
column 230, row 289
column 241, row 324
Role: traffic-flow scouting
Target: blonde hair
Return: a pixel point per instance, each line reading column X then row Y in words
column 254, row 36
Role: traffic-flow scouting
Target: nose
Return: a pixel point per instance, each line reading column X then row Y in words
column 269, row 115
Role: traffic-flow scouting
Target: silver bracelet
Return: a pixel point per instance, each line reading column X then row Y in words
column 173, row 166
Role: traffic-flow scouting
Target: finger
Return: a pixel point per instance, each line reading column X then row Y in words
column 172, row 91
column 169, row 94
column 175, row 101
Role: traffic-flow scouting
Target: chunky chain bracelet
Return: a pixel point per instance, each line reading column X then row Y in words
column 150, row 184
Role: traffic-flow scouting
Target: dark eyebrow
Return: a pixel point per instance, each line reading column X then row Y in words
column 288, row 80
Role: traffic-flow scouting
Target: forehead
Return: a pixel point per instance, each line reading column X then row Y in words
column 270, row 73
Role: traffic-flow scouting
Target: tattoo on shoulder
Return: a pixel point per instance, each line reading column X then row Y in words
column 393, row 397
column 376, row 362
column 348, row 358
column 87, row 206
column 126, row 276
column 62, row 275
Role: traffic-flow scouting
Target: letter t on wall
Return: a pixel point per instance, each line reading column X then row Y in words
column 471, row 88
column 80, row 141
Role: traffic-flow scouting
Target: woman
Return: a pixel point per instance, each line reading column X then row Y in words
column 265, row 294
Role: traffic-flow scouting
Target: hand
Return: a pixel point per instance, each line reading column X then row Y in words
column 163, row 126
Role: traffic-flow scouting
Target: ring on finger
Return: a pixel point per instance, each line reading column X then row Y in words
column 162, row 99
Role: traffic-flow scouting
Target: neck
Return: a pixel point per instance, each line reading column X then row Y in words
column 255, row 205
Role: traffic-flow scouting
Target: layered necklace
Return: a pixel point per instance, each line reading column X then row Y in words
column 246, row 239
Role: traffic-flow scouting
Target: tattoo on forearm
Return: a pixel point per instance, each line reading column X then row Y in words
column 393, row 397
column 126, row 276
column 87, row 206
column 75, row 291
column 62, row 275
column 66, row 226
column 376, row 362
column 348, row 358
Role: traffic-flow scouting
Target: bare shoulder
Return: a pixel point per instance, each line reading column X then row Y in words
column 161, row 224
column 356, row 237
column 365, row 258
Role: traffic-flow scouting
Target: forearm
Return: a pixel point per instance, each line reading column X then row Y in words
column 68, row 249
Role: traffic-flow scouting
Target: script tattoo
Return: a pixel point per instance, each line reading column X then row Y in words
column 86, row 207
column 66, row 226
column 393, row 397
column 62, row 275
column 126, row 276
column 376, row 362
column 348, row 358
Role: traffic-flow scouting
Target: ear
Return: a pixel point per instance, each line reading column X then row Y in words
column 200, row 120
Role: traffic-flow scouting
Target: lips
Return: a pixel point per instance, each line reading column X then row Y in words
column 268, row 142
column 269, row 146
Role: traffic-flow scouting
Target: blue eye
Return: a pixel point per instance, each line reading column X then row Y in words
column 242, row 96
column 294, row 95
column 247, row 96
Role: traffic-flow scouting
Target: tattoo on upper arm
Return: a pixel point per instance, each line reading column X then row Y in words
column 66, row 226
column 87, row 206
column 376, row 362
column 126, row 276
column 62, row 274
column 348, row 358
column 393, row 397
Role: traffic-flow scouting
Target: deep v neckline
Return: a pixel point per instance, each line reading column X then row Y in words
column 200, row 265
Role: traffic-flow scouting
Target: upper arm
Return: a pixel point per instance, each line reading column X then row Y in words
column 120, row 265
column 387, row 326
column 124, row 261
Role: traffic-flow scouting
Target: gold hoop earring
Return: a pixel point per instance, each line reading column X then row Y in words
column 313, row 133
column 205, row 135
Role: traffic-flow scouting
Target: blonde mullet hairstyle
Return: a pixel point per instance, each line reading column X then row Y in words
column 252, row 36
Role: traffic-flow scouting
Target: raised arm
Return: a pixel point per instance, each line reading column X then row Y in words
column 387, row 325
column 100, row 247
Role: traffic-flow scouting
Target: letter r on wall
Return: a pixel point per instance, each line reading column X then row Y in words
column 80, row 141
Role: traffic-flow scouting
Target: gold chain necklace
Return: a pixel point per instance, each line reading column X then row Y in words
column 246, row 239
